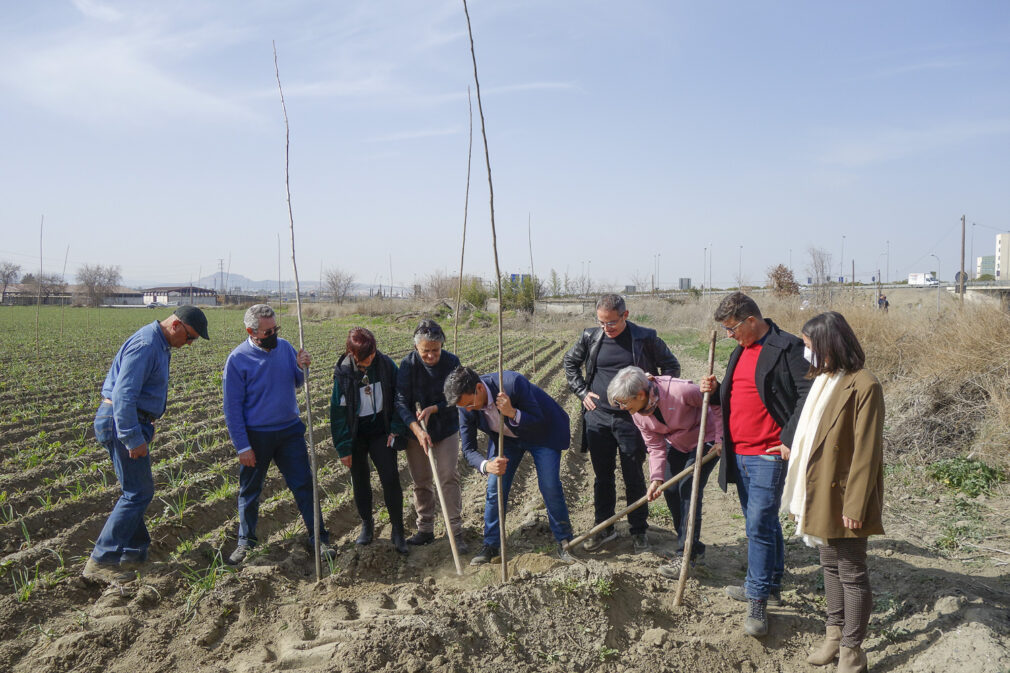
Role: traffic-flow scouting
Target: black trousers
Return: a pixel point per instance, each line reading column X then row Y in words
column 384, row 459
column 678, row 496
column 613, row 435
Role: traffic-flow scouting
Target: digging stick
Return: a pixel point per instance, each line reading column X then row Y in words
column 462, row 246
column 301, row 330
column 497, row 270
column 441, row 498
column 644, row 500
column 685, row 560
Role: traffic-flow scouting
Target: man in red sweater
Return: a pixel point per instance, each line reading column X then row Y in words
column 761, row 397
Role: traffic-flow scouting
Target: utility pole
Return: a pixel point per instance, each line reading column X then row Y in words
column 852, row 280
column 960, row 279
column 937, row 283
column 219, row 281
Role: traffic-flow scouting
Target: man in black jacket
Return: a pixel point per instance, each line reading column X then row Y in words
column 609, row 431
column 761, row 397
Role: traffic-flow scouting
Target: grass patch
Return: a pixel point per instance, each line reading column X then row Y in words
column 966, row 475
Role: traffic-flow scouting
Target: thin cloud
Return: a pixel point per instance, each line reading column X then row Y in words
column 893, row 144
column 413, row 135
column 97, row 10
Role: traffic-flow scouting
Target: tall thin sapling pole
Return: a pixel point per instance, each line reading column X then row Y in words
column 301, row 331
column 497, row 271
column 462, row 246
column 685, row 559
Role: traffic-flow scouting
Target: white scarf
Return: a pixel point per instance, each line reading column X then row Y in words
column 794, row 494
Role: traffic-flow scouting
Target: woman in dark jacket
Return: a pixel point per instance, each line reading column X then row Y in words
column 420, row 380
column 835, row 485
column 365, row 425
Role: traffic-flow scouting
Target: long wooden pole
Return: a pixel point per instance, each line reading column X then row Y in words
column 533, row 281
column 38, row 298
column 462, row 245
column 301, row 331
column 441, row 498
column 63, row 280
column 685, row 560
column 497, row 270
column 644, row 500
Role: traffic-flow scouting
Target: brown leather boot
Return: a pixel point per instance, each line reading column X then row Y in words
column 828, row 649
column 851, row 660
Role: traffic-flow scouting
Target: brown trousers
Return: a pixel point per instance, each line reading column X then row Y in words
column 847, row 587
column 446, row 454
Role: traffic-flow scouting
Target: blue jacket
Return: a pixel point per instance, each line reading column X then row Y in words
column 138, row 382
column 542, row 421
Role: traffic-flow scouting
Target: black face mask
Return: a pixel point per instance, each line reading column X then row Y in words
column 269, row 342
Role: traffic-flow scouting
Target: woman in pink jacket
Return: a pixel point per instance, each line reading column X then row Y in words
column 667, row 411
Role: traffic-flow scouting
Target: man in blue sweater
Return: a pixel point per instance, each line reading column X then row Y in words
column 260, row 378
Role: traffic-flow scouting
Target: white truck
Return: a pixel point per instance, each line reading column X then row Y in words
column 922, row 280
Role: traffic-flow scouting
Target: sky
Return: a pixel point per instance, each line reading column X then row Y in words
column 624, row 138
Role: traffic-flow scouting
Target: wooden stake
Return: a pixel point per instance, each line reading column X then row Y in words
column 441, row 498
column 63, row 279
column 533, row 281
column 301, row 331
column 497, row 270
column 685, row 560
column 38, row 299
column 462, row 247
column 644, row 500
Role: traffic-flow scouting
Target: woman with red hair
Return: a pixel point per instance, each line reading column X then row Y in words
column 366, row 426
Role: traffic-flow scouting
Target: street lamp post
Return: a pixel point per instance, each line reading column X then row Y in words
column 937, row 283
column 841, row 262
column 739, row 271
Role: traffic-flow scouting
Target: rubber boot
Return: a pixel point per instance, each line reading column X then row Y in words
column 851, row 660
column 367, row 532
column 396, row 537
column 828, row 649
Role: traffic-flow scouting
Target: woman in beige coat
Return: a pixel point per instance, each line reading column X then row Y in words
column 834, row 487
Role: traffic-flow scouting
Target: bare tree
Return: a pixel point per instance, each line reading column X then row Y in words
column 437, row 285
column 51, row 283
column 641, row 281
column 9, row 272
column 819, row 269
column 338, row 283
column 781, row 281
column 98, row 281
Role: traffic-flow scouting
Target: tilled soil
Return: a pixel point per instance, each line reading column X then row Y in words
column 376, row 610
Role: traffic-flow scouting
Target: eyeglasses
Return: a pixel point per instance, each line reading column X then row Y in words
column 270, row 333
column 610, row 323
column 734, row 328
column 190, row 337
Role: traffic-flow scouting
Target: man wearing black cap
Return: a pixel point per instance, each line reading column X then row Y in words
column 134, row 395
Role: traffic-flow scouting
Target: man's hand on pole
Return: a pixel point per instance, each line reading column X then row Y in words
column 653, row 491
column 497, row 466
column 303, row 359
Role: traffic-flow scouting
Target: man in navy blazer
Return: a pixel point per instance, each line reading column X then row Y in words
column 534, row 424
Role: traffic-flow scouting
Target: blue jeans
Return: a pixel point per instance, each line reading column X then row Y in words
column 548, row 465
column 285, row 447
column 678, row 496
column 760, row 485
column 124, row 538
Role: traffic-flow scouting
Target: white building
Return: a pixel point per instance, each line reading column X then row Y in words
column 1002, row 257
